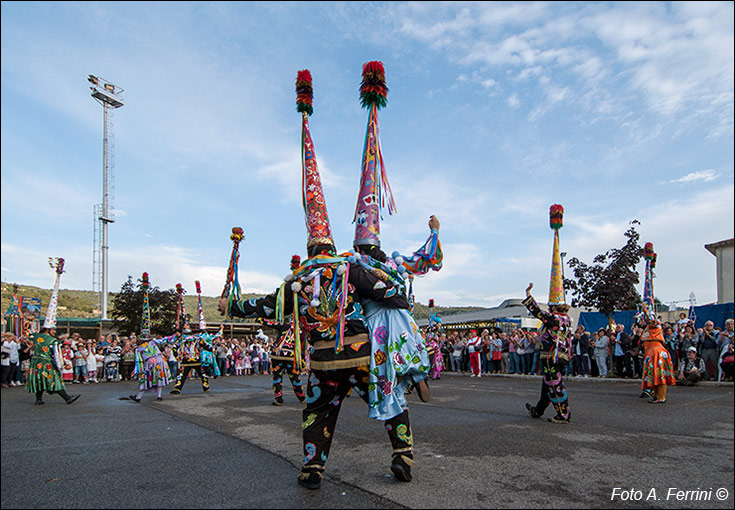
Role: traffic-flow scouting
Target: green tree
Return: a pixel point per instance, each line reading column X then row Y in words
column 127, row 309
column 608, row 284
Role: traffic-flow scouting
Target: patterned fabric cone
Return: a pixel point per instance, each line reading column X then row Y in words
column 58, row 266
column 181, row 316
column 556, row 285
column 202, row 322
column 145, row 328
column 315, row 208
column 649, row 304
column 374, row 192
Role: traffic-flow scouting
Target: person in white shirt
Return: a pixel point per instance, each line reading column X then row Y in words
column 10, row 360
column 474, row 347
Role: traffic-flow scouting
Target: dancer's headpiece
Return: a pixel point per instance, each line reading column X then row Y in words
column 374, row 192
column 315, row 207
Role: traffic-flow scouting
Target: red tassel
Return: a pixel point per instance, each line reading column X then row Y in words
column 199, row 287
column 304, row 92
column 295, row 262
column 179, row 288
column 648, row 251
column 556, row 216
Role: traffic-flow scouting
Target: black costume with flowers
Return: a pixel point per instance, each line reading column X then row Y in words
column 283, row 363
column 334, row 373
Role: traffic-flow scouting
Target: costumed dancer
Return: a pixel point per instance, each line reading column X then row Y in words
column 285, row 360
column 658, row 371
column 555, row 337
column 151, row 369
column 44, row 373
column 325, row 295
column 209, row 363
column 399, row 355
column 190, row 348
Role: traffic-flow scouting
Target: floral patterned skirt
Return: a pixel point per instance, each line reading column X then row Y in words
column 42, row 376
column 155, row 373
column 657, row 368
column 398, row 358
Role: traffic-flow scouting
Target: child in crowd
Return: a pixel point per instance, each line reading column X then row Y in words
column 239, row 362
column 100, row 363
column 247, row 363
column 67, row 371
column 91, row 363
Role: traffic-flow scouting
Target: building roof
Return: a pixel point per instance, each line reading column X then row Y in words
column 713, row 247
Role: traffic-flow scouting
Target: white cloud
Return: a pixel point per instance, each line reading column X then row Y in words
column 702, row 175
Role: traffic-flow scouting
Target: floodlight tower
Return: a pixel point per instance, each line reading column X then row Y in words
column 110, row 97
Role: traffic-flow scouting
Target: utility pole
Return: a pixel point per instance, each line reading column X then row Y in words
column 110, row 97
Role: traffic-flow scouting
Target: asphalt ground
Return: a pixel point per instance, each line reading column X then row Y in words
column 475, row 447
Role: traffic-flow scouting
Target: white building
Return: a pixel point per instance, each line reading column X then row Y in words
column 723, row 251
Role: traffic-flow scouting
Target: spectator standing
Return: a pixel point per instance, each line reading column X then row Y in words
column 536, row 345
column 128, row 358
column 170, row 356
column 581, row 351
column 80, row 363
column 5, row 359
column 709, row 345
column 600, row 351
column 67, row 370
column 25, row 354
column 474, row 347
column 691, row 369
column 255, row 357
column 636, row 350
column 247, row 363
column 496, row 353
column 514, row 365
column 672, row 345
column 485, row 353
column 727, row 362
column 457, row 355
column 91, row 363
column 221, row 352
column 100, row 359
column 620, row 351
column 688, row 338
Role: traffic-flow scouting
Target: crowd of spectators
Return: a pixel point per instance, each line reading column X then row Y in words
column 111, row 358
column 594, row 354
column 697, row 354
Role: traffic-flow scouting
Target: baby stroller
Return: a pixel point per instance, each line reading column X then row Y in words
column 112, row 367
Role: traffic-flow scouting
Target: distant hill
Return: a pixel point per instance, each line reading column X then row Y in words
column 81, row 303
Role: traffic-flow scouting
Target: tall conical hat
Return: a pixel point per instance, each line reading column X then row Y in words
column 649, row 304
column 145, row 326
column 315, row 207
column 375, row 192
column 556, row 285
column 202, row 322
column 181, row 316
column 58, row 266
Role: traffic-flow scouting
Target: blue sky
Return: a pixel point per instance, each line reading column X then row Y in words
column 616, row 110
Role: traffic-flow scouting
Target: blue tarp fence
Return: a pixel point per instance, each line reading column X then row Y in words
column 593, row 321
column 715, row 313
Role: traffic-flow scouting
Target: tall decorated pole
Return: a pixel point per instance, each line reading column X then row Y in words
column 14, row 316
column 231, row 291
column 556, row 285
column 202, row 323
column 648, row 299
column 375, row 193
column 179, row 305
column 57, row 265
column 145, row 327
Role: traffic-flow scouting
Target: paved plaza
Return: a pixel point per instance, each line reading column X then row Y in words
column 475, row 447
